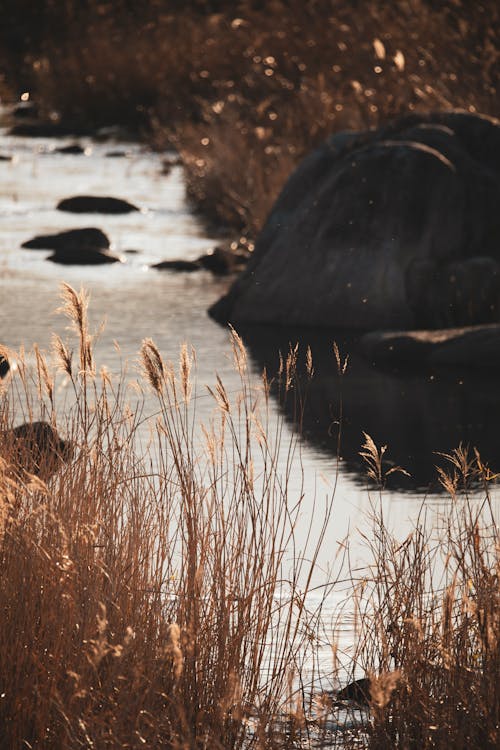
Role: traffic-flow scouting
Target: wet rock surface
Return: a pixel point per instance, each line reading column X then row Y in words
column 71, row 239
column 391, row 229
column 73, row 149
column 82, row 247
column 81, row 204
column 220, row 261
column 84, row 256
column 177, row 265
column 472, row 346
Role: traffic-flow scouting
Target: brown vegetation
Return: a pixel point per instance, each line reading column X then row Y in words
column 429, row 618
column 244, row 90
column 148, row 596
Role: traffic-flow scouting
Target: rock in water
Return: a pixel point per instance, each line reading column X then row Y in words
column 4, row 366
column 73, row 149
column 395, row 228
column 35, row 447
column 84, row 256
column 177, row 265
column 72, row 239
column 88, row 204
column 472, row 346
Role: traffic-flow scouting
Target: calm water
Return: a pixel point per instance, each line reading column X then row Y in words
column 414, row 413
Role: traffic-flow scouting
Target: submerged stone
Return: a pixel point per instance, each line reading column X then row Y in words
column 471, row 346
column 177, row 265
column 82, row 204
column 84, row 256
column 73, row 149
column 72, row 239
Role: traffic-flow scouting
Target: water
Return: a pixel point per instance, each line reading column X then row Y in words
column 415, row 413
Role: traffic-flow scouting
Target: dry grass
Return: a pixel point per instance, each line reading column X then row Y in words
column 429, row 620
column 153, row 593
column 245, row 90
column 147, row 600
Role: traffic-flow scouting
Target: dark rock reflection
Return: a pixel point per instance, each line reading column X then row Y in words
column 416, row 413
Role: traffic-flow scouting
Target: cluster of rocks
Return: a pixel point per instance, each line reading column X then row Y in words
column 86, row 246
column 221, row 261
column 91, row 246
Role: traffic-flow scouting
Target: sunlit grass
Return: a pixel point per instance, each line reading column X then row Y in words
column 153, row 591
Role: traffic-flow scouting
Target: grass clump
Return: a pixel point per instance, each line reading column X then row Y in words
column 429, row 620
column 147, row 596
column 153, row 590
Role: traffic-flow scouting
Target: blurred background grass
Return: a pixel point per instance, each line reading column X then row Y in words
column 243, row 90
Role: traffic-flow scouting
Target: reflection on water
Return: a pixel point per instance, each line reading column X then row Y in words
column 415, row 413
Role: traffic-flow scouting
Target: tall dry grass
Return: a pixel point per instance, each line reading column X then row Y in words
column 428, row 614
column 146, row 590
column 154, row 593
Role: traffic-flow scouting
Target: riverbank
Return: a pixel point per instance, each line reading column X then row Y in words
column 243, row 93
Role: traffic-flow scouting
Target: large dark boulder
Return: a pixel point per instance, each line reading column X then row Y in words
column 396, row 228
column 89, row 204
column 72, row 239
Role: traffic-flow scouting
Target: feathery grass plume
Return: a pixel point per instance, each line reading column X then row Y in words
column 291, row 366
column 341, row 366
column 7, row 495
column 75, row 308
column 44, row 379
column 309, row 363
column 62, row 355
column 465, row 466
column 153, row 365
column 373, row 458
column 448, row 481
column 220, row 395
column 483, row 470
column 382, row 687
column 239, row 351
column 185, row 365
column 266, row 384
column 173, row 649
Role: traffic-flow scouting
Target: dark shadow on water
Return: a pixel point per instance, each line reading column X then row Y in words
column 416, row 413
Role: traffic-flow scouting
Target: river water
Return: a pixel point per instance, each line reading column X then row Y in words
column 415, row 413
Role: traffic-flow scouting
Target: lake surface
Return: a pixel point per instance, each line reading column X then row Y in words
column 414, row 413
